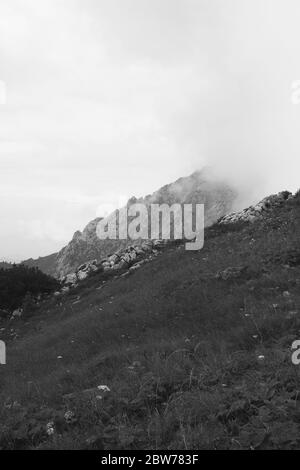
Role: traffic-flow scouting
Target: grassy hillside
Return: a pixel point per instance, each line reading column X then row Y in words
column 192, row 359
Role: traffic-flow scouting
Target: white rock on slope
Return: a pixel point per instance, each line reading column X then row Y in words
column 131, row 257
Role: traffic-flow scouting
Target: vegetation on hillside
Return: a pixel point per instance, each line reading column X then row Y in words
column 20, row 281
column 5, row 265
column 191, row 358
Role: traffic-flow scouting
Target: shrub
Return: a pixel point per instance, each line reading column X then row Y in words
column 19, row 281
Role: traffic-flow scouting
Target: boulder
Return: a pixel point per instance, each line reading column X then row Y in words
column 89, row 266
column 107, row 268
column 126, row 257
column 134, row 267
column 93, row 268
column 231, row 273
column 82, row 267
column 105, row 264
column 82, row 275
column 17, row 313
column 132, row 255
column 147, row 246
column 65, row 289
column 121, row 265
column 70, row 278
column 139, row 251
column 113, row 259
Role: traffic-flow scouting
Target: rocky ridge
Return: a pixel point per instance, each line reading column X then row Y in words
column 129, row 260
column 133, row 257
column 252, row 213
column 200, row 187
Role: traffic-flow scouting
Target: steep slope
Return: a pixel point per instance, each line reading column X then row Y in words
column 200, row 187
column 191, row 351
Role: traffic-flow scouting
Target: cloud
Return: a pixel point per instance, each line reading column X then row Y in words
column 109, row 98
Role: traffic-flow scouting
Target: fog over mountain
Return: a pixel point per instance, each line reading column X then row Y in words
column 199, row 188
column 110, row 99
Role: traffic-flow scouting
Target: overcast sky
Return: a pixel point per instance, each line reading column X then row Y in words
column 106, row 99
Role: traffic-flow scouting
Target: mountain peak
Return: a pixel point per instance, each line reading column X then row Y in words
column 198, row 188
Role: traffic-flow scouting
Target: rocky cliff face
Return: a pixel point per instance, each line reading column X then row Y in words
column 199, row 187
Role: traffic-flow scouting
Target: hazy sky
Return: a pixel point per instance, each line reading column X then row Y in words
column 106, row 99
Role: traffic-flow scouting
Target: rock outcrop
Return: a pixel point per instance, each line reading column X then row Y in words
column 252, row 213
column 231, row 273
column 129, row 260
